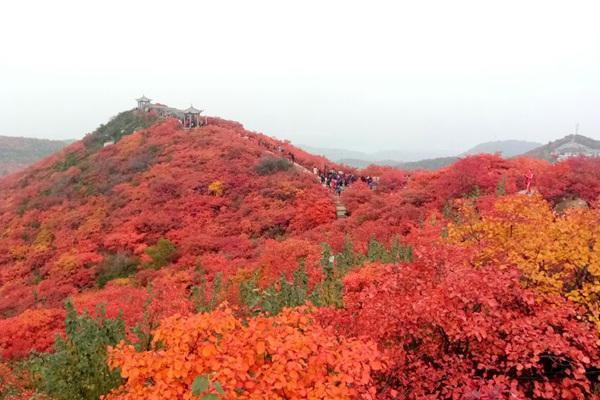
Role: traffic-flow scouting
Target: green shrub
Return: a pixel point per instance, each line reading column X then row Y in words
column 120, row 265
column 203, row 300
column 271, row 165
column 162, row 253
column 69, row 161
column 396, row 254
column 348, row 258
column 328, row 292
column 77, row 369
column 501, row 187
column 122, row 124
column 274, row 299
column 23, row 206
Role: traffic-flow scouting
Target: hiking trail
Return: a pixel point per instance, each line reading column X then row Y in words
column 340, row 208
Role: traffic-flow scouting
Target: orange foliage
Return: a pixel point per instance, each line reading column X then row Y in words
column 284, row 357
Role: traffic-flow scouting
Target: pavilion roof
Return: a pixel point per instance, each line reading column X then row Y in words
column 192, row 110
column 143, row 98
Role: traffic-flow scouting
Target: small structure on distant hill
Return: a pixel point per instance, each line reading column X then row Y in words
column 573, row 148
column 189, row 118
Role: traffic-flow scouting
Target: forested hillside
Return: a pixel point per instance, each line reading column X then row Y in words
column 17, row 152
column 203, row 263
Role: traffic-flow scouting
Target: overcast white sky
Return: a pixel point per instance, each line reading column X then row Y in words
column 372, row 75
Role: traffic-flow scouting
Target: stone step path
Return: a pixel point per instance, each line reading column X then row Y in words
column 340, row 208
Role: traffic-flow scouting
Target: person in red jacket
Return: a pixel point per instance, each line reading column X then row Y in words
column 529, row 178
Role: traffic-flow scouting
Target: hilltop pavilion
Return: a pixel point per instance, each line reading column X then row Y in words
column 190, row 117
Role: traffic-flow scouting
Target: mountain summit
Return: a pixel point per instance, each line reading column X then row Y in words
column 215, row 188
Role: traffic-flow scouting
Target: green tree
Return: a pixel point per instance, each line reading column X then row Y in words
column 77, row 369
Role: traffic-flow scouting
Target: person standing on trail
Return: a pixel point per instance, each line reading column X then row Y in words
column 529, row 178
column 338, row 188
column 292, row 158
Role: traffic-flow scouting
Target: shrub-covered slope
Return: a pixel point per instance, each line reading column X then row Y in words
column 202, row 190
column 211, row 266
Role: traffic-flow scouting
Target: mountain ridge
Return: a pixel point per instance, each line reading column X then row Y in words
column 17, row 152
column 420, row 160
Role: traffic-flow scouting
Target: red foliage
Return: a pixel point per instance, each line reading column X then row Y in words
column 474, row 174
column 450, row 331
column 34, row 329
column 575, row 177
column 115, row 301
column 284, row 257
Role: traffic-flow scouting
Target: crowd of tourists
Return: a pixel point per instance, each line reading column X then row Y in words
column 339, row 180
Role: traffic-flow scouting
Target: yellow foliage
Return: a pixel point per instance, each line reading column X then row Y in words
column 216, row 188
column 558, row 254
column 121, row 282
column 43, row 239
column 68, row 262
column 93, row 223
column 18, row 252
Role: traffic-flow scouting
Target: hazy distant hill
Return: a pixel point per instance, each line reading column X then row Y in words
column 507, row 148
column 420, row 160
column 424, row 160
column 428, row 164
column 362, row 159
column 360, row 163
column 19, row 152
column 569, row 146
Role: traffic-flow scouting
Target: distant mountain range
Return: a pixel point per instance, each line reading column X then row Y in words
column 384, row 157
column 18, row 152
column 420, row 160
column 557, row 150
